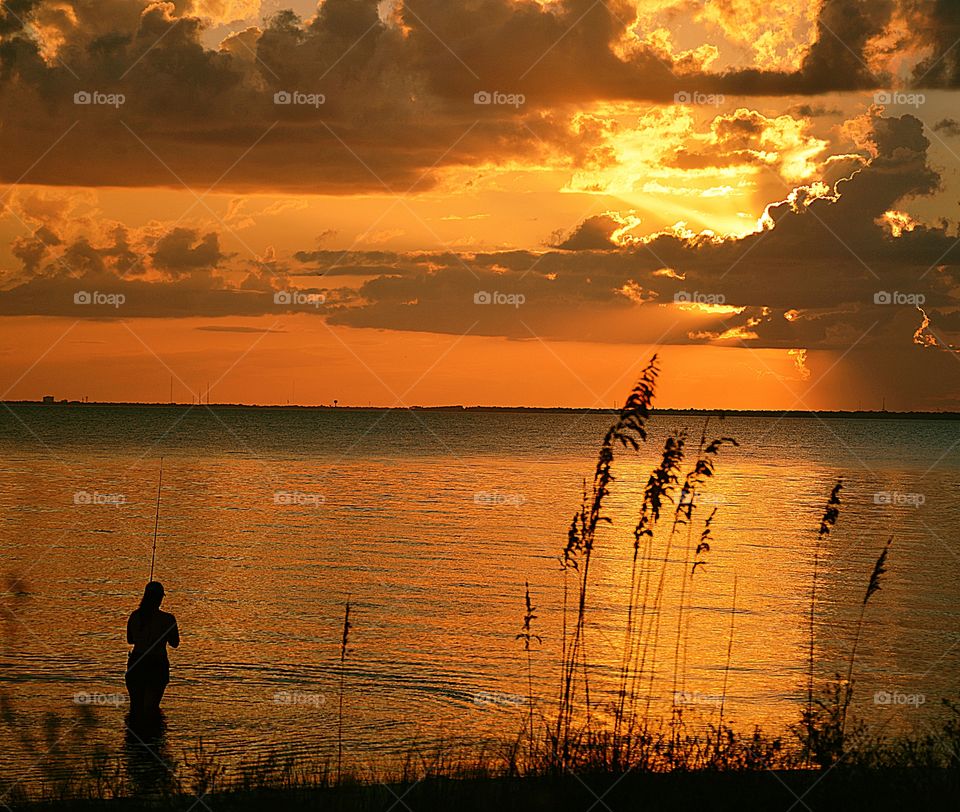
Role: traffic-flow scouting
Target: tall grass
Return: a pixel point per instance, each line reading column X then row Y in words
column 702, row 471
column 726, row 670
column 831, row 513
column 634, row 738
column 529, row 638
column 823, row 724
column 660, row 485
column 873, row 586
column 628, row 431
column 344, row 643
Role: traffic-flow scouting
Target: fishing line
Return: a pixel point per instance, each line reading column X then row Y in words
column 156, row 521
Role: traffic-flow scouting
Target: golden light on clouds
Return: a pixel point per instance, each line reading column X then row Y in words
column 745, row 23
column 50, row 27
column 737, row 31
column 898, row 222
column 709, row 308
column 800, row 359
column 636, row 294
column 735, row 335
column 222, row 12
column 699, row 168
column 661, row 42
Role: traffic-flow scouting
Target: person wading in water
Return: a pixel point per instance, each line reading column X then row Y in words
column 149, row 631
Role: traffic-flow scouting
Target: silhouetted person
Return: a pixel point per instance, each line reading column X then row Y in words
column 149, row 631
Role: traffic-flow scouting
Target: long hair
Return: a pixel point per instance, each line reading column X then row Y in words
column 152, row 598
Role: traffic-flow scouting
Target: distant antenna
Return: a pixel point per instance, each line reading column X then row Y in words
column 156, row 521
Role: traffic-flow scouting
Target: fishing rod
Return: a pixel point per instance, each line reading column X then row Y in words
column 156, row 521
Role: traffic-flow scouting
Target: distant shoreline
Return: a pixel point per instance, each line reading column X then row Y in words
column 780, row 413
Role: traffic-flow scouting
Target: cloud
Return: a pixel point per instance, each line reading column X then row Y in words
column 182, row 251
column 225, row 11
column 235, row 328
column 746, row 137
column 178, row 272
column 813, row 111
column 600, row 233
column 827, row 272
column 948, row 126
column 398, row 89
column 938, row 24
column 807, row 278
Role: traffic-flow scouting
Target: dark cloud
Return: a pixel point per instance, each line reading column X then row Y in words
column 593, row 234
column 182, row 251
column 398, row 94
column 837, row 59
column 13, row 15
column 31, row 251
column 938, row 28
column 177, row 273
column 948, row 126
column 229, row 328
column 813, row 111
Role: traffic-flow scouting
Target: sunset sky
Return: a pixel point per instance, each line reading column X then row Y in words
column 506, row 202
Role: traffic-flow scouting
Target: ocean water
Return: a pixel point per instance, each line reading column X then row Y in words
column 430, row 523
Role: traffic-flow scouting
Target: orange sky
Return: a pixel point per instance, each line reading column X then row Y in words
column 305, row 362
column 599, row 199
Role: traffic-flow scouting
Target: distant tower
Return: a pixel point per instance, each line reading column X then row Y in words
column 335, row 402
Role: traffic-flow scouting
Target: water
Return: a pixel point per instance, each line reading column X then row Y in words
column 430, row 523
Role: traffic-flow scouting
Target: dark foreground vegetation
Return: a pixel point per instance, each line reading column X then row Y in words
column 603, row 750
column 870, row 790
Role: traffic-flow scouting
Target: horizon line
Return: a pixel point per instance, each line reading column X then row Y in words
column 492, row 408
